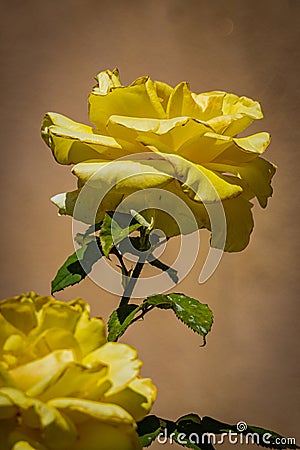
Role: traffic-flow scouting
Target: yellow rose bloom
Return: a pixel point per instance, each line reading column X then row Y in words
column 193, row 139
column 62, row 385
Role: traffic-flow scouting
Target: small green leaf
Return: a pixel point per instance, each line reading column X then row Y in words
column 190, row 311
column 114, row 229
column 82, row 238
column 148, row 430
column 159, row 301
column 72, row 271
column 140, row 219
column 120, row 320
column 190, row 426
column 151, row 427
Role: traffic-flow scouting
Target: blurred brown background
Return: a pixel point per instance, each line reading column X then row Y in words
column 50, row 52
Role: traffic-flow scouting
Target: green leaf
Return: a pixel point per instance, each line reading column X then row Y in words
column 151, row 427
column 120, row 320
column 192, row 432
column 189, row 426
column 140, row 219
column 81, row 238
column 114, row 229
column 148, row 430
column 194, row 314
column 72, row 271
column 190, row 311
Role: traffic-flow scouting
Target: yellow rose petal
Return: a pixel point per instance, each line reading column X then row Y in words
column 204, row 148
column 19, row 312
column 8, row 409
column 182, row 103
column 5, row 377
column 80, row 410
column 257, row 143
column 65, row 150
column 124, row 176
column 171, row 133
column 230, row 124
column 239, row 223
column 55, row 339
column 257, row 174
column 58, row 314
column 163, row 91
column 67, row 200
column 101, row 426
column 103, row 436
column 202, row 184
column 122, row 362
column 58, row 431
column 107, row 80
column 233, row 104
column 137, row 398
column 74, row 380
column 90, row 333
column 29, row 374
column 72, row 142
column 138, row 100
column 23, row 445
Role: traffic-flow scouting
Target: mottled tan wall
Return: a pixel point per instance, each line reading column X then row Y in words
column 50, row 52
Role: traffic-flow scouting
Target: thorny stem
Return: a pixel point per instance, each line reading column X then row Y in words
column 115, row 252
column 143, row 247
column 132, row 281
column 141, row 316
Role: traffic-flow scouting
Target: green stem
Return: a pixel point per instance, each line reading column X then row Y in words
column 132, row 282
column 142, row 314
column 144, row 246
column 115, row 252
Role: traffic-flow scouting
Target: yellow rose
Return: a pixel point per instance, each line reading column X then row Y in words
column 62, row 386
column 190, row 145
